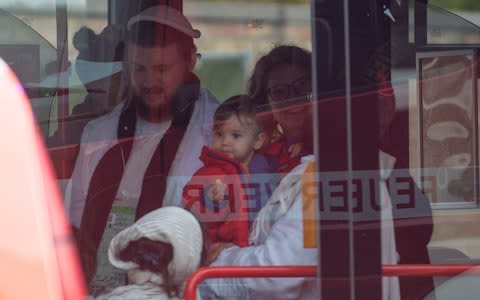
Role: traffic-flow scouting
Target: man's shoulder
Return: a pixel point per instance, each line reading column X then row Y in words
column 103, row 127
column 204, row 110
column 207, row 100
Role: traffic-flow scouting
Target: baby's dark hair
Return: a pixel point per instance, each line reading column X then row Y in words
column 153, row 256
column 239, row 106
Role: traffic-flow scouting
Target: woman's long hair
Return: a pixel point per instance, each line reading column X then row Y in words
column 278, row 56
column 257, row 84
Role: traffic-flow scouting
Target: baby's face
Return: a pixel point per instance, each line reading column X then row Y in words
column 238, row 138
column 149, row 255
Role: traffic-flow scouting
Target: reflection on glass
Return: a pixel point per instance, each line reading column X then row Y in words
column 445, row 27
column 447, row 131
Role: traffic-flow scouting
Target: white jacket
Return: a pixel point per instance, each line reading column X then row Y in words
column 173, row 225
column 137, row 292
column 282, row 244
column 100, row 135
column 277, row 236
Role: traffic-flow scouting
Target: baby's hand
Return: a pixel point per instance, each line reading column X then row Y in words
column 217, row 191
column 295, row 149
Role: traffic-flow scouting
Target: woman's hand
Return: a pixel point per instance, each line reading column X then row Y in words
column 214, row 251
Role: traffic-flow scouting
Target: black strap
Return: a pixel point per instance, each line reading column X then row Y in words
column 107, row 176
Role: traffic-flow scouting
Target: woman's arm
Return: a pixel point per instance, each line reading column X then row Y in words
column 284, row 246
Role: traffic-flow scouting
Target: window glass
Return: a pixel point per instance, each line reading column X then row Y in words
column 31, row 53
column 237, row 33
column 418, row 97
column 448, row 127
column 90, row 78
column 452, row 26
column 436, row 85
column 467, row 9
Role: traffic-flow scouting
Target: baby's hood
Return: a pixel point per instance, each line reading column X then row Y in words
column 172, row 225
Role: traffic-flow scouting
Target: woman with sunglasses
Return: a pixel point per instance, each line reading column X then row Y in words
column 281, row 86
column 281, row 83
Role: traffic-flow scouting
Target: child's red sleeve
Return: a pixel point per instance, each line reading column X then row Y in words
column 223, row 221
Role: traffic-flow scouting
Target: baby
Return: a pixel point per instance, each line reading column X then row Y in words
column 216, row 193
column 159, row 252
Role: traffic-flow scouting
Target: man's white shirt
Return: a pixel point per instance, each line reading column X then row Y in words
column 100, row 135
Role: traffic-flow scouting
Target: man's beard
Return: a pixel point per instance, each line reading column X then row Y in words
column 160, row 112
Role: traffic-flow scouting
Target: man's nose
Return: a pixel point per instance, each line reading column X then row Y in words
column 150, row 78
column 145, row 81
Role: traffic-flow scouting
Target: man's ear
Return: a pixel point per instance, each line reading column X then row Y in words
column 260, row 140
column 193, row 59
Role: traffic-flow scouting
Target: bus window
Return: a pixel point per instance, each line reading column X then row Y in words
column 390, row 99
column 234, row 36
column 426, row 54
column 465, row 18
column 465, row 30
column 31, row 54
